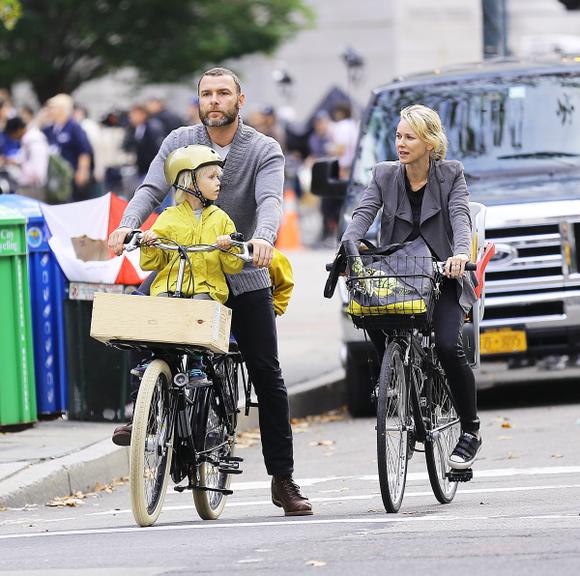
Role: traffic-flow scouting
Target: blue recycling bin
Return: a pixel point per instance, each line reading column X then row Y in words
column 47, row 295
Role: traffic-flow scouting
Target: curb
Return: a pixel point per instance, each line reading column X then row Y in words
column 103, row 462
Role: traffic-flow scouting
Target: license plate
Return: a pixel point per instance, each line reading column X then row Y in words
column 503, row 341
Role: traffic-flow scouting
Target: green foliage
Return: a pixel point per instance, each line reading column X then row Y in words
column 58, row 44
column 10, row 11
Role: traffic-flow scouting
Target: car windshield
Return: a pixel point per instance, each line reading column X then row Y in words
column 494, row 124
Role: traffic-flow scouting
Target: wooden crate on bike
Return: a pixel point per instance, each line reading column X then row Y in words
column 204, row 323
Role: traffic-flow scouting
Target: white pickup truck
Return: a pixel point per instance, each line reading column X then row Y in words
column 515, row 126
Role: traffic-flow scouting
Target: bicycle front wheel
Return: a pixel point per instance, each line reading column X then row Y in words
column 150, row 451
column 443, row 434
column 393, row 421
column 215, row 446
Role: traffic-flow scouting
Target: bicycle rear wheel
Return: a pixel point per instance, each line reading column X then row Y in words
column 445, row 429
column 150, row 451
column 215, row 443
column 393, row 421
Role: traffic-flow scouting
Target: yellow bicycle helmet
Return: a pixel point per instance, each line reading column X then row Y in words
column 189, row 157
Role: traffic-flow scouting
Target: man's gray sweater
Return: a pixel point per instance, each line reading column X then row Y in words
column 251, row 190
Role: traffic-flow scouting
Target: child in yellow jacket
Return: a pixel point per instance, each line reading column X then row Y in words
column 195, row 171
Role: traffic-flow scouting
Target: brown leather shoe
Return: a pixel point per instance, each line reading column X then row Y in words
column 286, row 495
column 122, row 434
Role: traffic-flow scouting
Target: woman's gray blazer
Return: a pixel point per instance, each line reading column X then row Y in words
column 445, row 217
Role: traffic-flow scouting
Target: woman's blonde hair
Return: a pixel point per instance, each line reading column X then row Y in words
column 426, row 123
column 185, row 179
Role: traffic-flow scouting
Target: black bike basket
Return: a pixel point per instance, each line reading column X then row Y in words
column 392, row 290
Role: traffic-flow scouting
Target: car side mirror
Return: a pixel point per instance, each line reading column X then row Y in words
column 325, row 179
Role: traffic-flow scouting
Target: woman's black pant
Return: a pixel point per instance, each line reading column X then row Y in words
column 254, row 328
column 448, row 318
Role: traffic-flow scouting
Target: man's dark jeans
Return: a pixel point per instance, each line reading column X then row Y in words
column 254, row 328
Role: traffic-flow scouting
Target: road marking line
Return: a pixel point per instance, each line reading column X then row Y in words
column 290, row 522
column 493, row 473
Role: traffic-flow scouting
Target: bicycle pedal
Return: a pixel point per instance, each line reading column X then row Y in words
column 182, row 488
column 230, row 470
column 459, row 475
column 220, row 490
column 232, row 459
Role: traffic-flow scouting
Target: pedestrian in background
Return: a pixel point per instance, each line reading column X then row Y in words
column 144, row 136
column 67, row 139
column 321, row 145
column 157, row 109
column 31, row 161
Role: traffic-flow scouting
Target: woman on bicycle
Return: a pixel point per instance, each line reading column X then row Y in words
column 425, row 195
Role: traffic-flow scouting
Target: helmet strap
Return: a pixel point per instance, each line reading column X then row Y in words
column 205, row 202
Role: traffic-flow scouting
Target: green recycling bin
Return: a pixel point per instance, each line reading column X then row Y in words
column 17, row 386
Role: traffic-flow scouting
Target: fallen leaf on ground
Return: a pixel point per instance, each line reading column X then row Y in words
column 72, row 501
column 506, row 424
column 315, row 563
column 557, row 455
column 322, row 443
column 3, row 509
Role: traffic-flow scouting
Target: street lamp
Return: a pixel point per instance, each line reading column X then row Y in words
column 284, row 81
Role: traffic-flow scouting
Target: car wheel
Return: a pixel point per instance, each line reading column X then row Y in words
column 359, row 383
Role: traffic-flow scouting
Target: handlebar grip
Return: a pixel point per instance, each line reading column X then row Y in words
column 328, row 266
column 130, row 236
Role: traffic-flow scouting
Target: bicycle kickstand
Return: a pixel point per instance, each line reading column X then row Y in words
column 459, row 475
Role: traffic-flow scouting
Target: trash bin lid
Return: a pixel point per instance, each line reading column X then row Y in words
column 27, row 206
column 10, row 216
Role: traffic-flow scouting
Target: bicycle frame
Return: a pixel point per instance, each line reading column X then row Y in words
column 420, row 363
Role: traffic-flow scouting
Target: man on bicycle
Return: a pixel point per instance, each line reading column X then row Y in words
column 251, row 193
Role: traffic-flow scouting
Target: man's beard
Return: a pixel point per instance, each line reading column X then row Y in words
column 228, row 117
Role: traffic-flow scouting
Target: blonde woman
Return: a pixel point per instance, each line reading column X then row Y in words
column 425, row 195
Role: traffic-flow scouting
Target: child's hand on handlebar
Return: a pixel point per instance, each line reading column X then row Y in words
column 149, row 237
column 223, row 242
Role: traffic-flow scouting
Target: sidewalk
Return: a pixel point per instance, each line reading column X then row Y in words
column 59, row 457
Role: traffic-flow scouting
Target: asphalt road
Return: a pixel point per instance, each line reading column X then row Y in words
column 519, row 515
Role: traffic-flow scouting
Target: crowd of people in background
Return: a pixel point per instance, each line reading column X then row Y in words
column 60, row 154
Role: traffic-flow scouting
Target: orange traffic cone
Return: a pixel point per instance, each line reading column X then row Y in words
column 289, row 232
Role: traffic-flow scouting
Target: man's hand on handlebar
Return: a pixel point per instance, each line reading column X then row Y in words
column 117, row 238
column 263, row 252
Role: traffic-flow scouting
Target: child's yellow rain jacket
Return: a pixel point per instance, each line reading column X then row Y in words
column 282, row 281
column 180, row 224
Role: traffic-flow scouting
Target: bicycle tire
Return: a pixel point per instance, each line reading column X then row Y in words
column 212, row 431
column 150, row 452
column 393, row 421
column 441, row 412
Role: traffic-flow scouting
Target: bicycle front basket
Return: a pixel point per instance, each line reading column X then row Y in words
column 395, row 290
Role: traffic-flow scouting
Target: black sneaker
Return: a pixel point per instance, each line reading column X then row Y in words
column 465, row 452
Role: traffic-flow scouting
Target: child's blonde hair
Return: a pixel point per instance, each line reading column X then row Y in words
column 426, row 123
column 185, row 179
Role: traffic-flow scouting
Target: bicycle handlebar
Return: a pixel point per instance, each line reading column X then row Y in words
column 469, row 267
column 133, row 241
